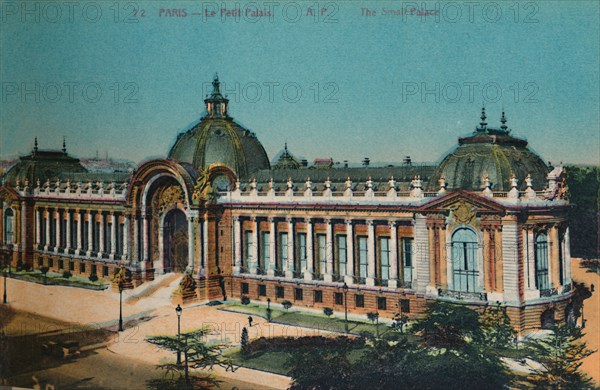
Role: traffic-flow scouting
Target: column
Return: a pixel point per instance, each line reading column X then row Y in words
column 487, row 259
column 57, row 224
column 499, row 287
column 113, row 234
column 191, row 242
column 529, row 258
column 47, row 215
column 253, row 259
column 567, row 256
column 290, row 249
column 393, row 278
column 67, row 215
column 136, row 253
column 125, row 240
column 308, row 274
column 204, row 265
column 511, row 245
column 100, row 233
column 370, row 254
column 23, row 226
column 144, row 239
column 237, row 245
column 328, row 274
column 38, row 230
column 272, row 249
column 90, row 241
column 79, row 228
column 554, row 257
column 432, row 257
column 421, row 255
column 349, row 277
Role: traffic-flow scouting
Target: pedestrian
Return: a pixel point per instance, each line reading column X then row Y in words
column 250, row 321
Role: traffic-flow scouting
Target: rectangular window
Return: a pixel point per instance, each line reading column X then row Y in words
column 50, row 263
column 262, row 290
column 283, row 252
column 407, row 253
column 339, row 298
column 247, row 250
column 341, row 256
column 40, row 262
column 362, row 258
column 381, row 303
column 405, row 305
column 245, row 288
column 42, row 230
column 94, row 270
column 280, row 291
column 265, row 250
column 359, row 300
column 298, row 294
column 82, row 268
column 63, row 232
column 105, row 271
column 52, row 232
column 108, row 236
column 318, row 296
column 96, row 236
column 61, row 264
column 84, row 236
column 384, row 259
column 71, row 266
column 321, row 254
column 301, row 257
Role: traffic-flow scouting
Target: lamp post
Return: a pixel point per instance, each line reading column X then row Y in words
column 4, row 264
column 178, row 310
column 345, row 288
column 120, row 305
column 269, row 309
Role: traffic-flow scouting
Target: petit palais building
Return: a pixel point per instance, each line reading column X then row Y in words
column 486, row 225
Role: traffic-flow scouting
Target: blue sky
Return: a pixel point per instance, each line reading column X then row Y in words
column 388, row 85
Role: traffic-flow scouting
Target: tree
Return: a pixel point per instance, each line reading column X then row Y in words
column 328, row 311
column 496, row 328
column 448, row 326
column 44, row 270
column 244, row 341
column 197, row 355
column 286, row 304
column 560, row 355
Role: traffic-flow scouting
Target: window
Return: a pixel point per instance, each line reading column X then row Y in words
column 280, row 292
column 105, row 271
column 359, row 300
column 301, row 257
column 298, row 294
column 338, row 298
column 464, row 260
column 362, row 258
column 265, row 250
column 94, row 270
column 96, row 235
column 244, row 288
column 283, row 252
column 321, row 262
column 407, row 253
column 71, row 266
column 50, row 263
column 405, row 305
column 381, row 303
column 61, row 264
column 262, row 290
column 342, row 259
column 318, row 296
column 63, row 232
column 84, row 236
column 52, row 231
column 43, row 238
column 9, row 221
column 40, row 262
column 384, row 258
column 541, row 262
column 82, row 268
column 247, row 249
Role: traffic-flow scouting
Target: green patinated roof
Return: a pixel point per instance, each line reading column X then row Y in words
column 42, row 165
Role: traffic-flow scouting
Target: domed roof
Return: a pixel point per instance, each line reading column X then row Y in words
column 492, row 152
column 42, row 165
column 286, row 160
column 217, row 138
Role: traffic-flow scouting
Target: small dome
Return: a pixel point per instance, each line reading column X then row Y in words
column 217, row 138
column 492, row 152
column 287, row 160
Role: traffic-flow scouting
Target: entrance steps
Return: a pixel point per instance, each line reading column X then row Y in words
column 159, row 289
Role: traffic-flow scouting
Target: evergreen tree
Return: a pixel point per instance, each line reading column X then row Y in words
column 560, row 355
column 244, row 341
column 496, row 328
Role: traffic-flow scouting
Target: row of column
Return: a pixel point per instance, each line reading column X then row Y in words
column 558, row 256
column 75, row 218
column 309, row 272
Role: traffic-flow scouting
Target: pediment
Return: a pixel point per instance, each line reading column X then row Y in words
column 463, row 205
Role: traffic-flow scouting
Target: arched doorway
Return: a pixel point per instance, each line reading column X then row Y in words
column 464, row 260
column 175, row 244
column 547, row 319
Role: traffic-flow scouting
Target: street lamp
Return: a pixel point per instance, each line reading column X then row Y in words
column 120, row 305
column 178, row 310
column 345, row 288
column 4, row 264
column 269, row 309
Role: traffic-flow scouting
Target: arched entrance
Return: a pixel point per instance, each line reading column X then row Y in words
column 175, row 244
column 547, row 319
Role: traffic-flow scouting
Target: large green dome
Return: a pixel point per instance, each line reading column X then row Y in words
column 217, row 138
column 492, row 152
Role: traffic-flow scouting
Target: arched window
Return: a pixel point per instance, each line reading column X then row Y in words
column 541, row 262
column 464, row 260
column 9, row 223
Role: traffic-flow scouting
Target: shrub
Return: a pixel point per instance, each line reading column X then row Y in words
column 328, row 311
column 373, row 316
column 244, row 341
column 19, row 265
column 44, row 270
column 67, row 274
column 290, row 343
column 245, row 300
column 286, row 304
column 93, row 278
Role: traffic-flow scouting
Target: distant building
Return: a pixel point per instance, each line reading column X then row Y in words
column 487, row 225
